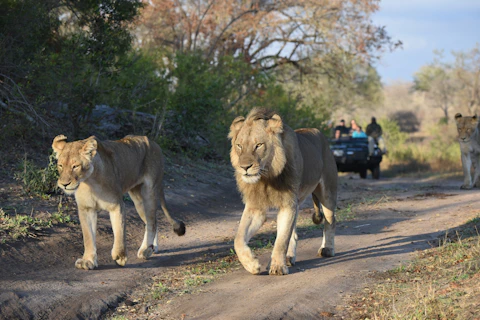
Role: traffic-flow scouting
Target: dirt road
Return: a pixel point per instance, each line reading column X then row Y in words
column 383, row 223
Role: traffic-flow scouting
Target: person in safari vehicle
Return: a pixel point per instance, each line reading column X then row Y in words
column 374, row 133
column 341, row 130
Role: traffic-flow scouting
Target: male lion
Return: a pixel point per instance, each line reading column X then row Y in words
column 99, row 173
column 469, row 139
column 278, row 167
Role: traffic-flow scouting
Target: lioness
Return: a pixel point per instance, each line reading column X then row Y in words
column 469, row 139
column 278, row 167
column 99, row 173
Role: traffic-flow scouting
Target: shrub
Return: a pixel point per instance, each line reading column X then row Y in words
column 38, row 180
column 395, row 141
column 438, row 151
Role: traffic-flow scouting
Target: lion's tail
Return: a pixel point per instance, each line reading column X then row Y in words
column 178, row 225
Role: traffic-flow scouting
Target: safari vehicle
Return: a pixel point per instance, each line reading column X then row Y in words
column 351, row 155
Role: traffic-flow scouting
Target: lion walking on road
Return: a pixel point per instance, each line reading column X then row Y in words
column 99, row 173
column 278, row 167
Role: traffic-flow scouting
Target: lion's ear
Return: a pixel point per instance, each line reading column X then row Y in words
column 58, row 144
column 89, row 149
column 458, row 115
column 275, row 124
column 235, row 127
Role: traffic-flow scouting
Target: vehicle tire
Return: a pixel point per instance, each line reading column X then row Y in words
column 363, row 173
column 376, row 172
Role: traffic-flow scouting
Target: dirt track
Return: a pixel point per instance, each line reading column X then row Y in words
column 38, row 279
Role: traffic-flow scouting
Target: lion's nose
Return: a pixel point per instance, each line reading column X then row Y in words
column 65, row 184
column 246, row 167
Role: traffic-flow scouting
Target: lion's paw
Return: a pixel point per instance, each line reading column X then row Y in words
column 326, row 252
column 121, row 261
column 290, row 261
column 119, row 257
column 145, row 253
column 253, row 266
column 85, row 264
column 466, row 187
column 278, row 270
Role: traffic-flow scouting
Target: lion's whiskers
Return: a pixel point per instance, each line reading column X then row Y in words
column 263, row 172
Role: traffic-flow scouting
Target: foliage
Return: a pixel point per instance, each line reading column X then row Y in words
column 38, row 180
column 358, row 88
column 318, row 71
column 266, row 33
column 438, row 84
column 290, row 107
column 467, row 73
column 26, row 29
column 443, row 146
column 446, row 85
column 201, row 98
column 439, row 152
column 140, row 86
column 193, row 68
column 395, row 140
column 20, row 225
column 60, row 55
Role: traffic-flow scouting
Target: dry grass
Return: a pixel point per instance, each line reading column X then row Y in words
column 433, row 150
column 441, row 283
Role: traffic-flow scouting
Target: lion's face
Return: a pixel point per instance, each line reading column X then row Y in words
column 466, row 127
column 257, row 148
column 74, row 161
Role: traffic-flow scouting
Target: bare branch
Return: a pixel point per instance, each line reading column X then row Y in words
column 212, row 48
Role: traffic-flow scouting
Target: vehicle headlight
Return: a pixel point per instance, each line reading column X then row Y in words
column 338, row 153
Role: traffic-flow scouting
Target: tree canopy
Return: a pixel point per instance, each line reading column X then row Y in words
column 448, row 85
column 192, row 64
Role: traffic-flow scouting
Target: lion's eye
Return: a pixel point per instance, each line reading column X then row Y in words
column 75, row 166
column 259, row 145
column 239, row 146
column 60, row 166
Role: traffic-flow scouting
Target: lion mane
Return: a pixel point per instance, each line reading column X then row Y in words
column 468, row 129
column 277, row 167
column 98, row 173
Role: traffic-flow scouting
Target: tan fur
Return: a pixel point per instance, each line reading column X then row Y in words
column 469, row 139
column 99, row 173
column 278, row 167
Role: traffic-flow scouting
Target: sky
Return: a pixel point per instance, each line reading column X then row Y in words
column 424, row 26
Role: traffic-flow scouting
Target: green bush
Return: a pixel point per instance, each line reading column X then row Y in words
column 443, row 148
column 439, row 150
column 201, row 102
column 395, row 140
column 64, row 66
column 37, row 180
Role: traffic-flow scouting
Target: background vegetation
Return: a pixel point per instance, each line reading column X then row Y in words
column 180, row 71
column 418, row 117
